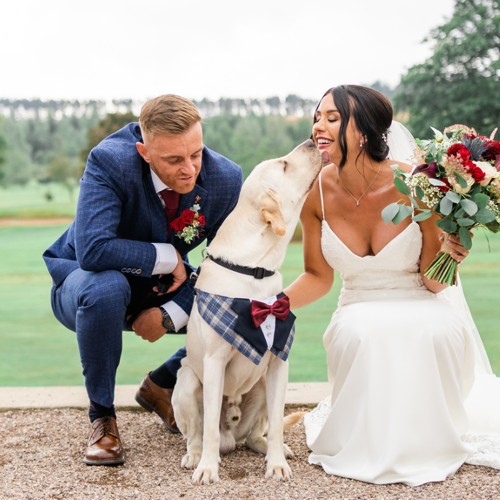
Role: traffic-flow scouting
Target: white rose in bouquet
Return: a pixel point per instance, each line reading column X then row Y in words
column 489, row 171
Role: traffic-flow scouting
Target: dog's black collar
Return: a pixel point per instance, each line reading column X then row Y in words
column 257, row 272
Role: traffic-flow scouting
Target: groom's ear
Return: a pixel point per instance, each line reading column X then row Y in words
column 141, row 149
column 271, row 212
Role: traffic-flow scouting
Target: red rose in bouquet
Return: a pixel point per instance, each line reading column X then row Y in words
column 201, row 220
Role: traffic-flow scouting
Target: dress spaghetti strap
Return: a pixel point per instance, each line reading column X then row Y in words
column 321, row 196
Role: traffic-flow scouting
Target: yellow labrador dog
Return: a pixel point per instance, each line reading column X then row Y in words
column 222, row 397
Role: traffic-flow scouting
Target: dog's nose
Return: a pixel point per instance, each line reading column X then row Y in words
column 309, row 143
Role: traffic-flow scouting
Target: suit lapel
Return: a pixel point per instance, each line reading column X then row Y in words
column 158, row 218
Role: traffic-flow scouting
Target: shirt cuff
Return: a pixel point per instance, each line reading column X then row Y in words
column 177, row 314
column 166, row 258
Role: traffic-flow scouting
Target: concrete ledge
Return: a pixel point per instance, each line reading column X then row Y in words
column 28, row 398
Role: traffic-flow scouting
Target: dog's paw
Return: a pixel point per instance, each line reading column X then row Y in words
column 190, row 460
column 206, row 474
column 288, row 452
column 279, row 471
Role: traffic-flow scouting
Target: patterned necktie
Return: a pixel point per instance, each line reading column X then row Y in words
column 171, row 199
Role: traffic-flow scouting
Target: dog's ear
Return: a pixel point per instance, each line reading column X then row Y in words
column 271, row 212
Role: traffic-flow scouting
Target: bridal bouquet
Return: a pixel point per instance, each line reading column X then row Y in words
column 458, row 180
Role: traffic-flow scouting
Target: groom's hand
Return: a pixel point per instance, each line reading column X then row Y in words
column 149, row 325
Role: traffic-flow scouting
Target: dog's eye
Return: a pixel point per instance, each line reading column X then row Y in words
column 285, row 164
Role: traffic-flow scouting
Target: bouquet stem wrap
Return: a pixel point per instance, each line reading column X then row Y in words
column 443, row 268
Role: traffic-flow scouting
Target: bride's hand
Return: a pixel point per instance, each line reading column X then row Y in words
column 460, row 252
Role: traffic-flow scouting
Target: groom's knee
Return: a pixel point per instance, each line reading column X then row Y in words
column 106, row 291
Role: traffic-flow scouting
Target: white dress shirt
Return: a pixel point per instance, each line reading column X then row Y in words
column 166, row 261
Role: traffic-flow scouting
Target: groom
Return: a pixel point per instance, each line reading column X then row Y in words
column 104, row 267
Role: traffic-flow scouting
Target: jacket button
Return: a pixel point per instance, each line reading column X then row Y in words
column 139, row 271
column 128, row 270
column 133, row 271
column 124, row 270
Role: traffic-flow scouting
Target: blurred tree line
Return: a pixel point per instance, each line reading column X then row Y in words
column 458, row 83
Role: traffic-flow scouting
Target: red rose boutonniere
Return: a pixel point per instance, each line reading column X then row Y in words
column 189, row 224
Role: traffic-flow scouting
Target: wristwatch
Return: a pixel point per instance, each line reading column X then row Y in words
column 167, row 322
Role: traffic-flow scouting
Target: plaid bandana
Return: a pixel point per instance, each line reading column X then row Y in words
column 216, row 311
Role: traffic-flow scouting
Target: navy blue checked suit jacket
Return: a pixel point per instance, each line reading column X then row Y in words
column 119, row 213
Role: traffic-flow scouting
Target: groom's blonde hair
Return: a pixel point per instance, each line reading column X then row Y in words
column 168, row 114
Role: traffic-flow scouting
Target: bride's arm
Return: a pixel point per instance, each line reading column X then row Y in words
column 317, row 278
column 431, row 245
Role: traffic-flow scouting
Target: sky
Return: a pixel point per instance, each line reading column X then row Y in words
column 115, row 49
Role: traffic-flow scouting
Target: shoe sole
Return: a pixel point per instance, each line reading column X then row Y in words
column 150, row 408
column 109, row 461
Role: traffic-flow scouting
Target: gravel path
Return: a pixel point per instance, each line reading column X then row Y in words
column 41, row 457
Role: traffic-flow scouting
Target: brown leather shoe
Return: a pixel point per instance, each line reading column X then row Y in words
column 104, row 446
column 154, row 398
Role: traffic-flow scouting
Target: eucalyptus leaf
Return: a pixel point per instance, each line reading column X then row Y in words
column 452, row 196
column 465, row 222
column 437, row 133
column 394, row 167
column 419, row 192
column 427, row 214
column 447, row 225
column 484, row 216
column 414, row 202
column 481, row 200
column 465, row 238
column 469, row 206
column 389, row 212
column 461, row 180
column 493, row 226
column 437, row 182
column 401, row 186
column 404, row 211
column 445, row 206
column 476, row 189
column 460, row 212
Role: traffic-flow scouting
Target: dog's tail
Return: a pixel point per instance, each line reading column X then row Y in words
column 292, row 419
column 289, row 420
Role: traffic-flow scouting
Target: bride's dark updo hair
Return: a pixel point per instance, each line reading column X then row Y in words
column 372, row 113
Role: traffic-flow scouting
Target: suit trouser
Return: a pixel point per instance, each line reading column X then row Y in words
column 94, row 305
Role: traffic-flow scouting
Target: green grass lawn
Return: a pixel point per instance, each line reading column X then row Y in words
column 37, row 351
column 30, row 201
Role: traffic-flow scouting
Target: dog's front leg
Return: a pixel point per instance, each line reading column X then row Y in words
column 277, row 378
column 213, row 385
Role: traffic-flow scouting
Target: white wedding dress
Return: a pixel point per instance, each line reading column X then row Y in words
column 402, row 362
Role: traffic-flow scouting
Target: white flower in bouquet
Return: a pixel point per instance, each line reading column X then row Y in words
column 489, row 171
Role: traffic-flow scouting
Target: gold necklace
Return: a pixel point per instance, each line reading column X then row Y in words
column 369, row 185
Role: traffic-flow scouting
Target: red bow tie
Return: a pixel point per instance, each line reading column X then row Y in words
column 261, row 311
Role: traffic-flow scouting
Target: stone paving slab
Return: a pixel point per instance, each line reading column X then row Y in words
column 27, row 398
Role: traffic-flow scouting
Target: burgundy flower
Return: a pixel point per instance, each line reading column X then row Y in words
column 428, row 170
column 201, row 220
column 492, row 152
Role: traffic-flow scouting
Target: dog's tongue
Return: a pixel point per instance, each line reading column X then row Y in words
column 325, row 157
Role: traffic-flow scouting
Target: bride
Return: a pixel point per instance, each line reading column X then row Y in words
column 401, row 355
